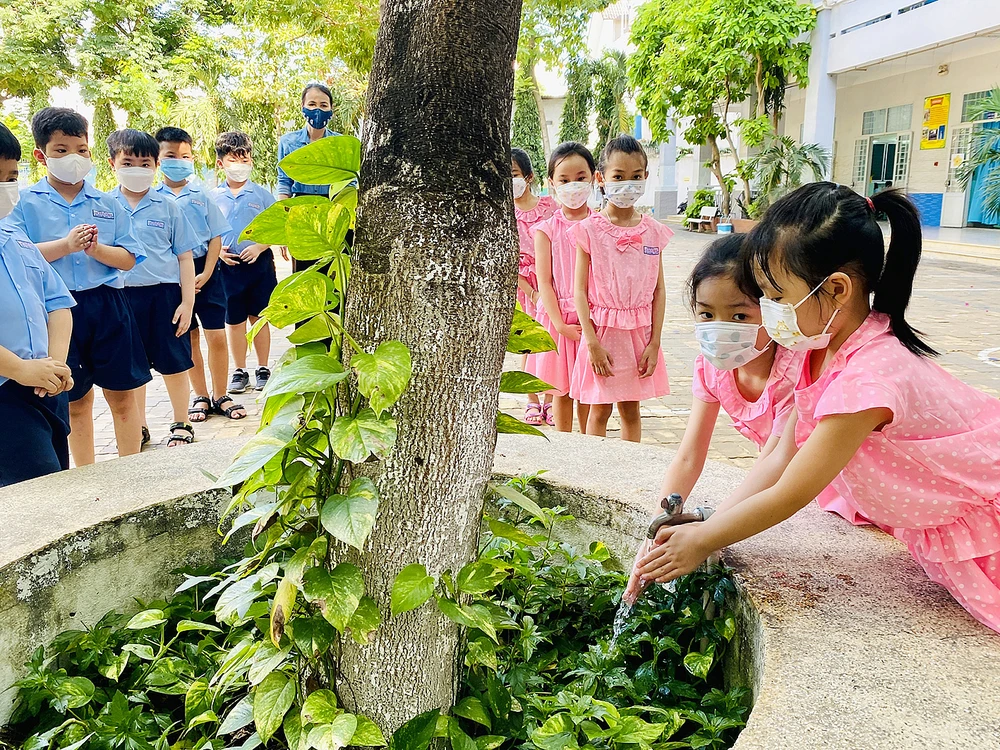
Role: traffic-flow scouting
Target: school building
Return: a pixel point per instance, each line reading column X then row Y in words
column 892, row 84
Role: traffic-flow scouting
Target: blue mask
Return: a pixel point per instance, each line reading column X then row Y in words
column 177, row 170
column 318, row 118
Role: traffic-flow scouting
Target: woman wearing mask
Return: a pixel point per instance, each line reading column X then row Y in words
column 317, row 109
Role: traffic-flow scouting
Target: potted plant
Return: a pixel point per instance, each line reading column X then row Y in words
column 779, row 167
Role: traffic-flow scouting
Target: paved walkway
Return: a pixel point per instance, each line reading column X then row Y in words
column 956, row 304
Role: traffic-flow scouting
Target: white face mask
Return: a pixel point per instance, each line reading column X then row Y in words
column 238, row 172
column 782, row 324
column 573, row 195
column 624, row 194
column 728, row 345
column 136, row 179
column 520, row 185
column 70, row 169
column 9, row 196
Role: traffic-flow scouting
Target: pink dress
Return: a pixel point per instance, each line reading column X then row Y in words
column 624, row 269
column 933, row 473
column 526, row 261
column 556, row 367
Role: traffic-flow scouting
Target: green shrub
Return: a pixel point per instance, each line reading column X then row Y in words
column 702, row 198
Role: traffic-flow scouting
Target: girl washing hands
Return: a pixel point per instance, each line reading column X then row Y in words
column 620, row 297
column 914, row 447
column 571, row 177
column 529, row 210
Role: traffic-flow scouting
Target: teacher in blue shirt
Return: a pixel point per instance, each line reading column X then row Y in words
column 317, row 109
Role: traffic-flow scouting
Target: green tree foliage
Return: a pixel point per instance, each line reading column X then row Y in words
column 527, row 133
column 780, row 166
column 611, row 86
column 695, row 58
column 984, row 152
column 575, row 124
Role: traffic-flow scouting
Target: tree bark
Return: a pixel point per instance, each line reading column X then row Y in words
column 435, row 266
column 717, row 171
column 537, row 93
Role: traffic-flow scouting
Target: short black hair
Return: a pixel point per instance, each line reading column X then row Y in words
column 132, row 142
column 624, row 144
column 233, row 142
column 173, row 135
column 567, row 149
column 51, row 119
column 319, row 87
column 9, row 146
column 722, row 258
column 520, row 157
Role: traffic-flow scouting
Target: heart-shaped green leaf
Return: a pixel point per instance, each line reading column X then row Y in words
column 365, row 620
column 269, row 226
column 351, row 517
column 508, row 425
column 515, row 381
column 354, row 439
column 311, row 374
column 317, row 231
column 384, row 375
column 299, row 297
column 325, row 161
column 528, row 336
column 412, row 587
column 271, row 700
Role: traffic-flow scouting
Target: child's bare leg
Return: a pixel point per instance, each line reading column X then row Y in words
column 140, row 405
column 597, row 420
column 81, row 423
column 238, row 344
column 533, row 398
column 179, row 390
column 196, row 375
column 562, row 406
column 128, row 420
column 583, row 415
column 628, row 412
column 262, row 343
column 218, row 361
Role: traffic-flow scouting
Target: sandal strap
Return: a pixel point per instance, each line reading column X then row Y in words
column 186, row 426
column 227, row 410
column 201, row 400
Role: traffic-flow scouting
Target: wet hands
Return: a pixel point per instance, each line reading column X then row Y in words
column 635, row 583
column 676, row 551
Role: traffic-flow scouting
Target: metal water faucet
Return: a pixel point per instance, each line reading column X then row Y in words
column 673, row 515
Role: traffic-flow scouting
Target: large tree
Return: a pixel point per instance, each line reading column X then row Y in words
column 435, row 267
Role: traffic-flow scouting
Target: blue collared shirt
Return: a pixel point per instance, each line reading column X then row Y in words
column 29, row 290
column 291, row 142
column 164, row 232
column 44, row 216
column 202, row 213
column 240, row 210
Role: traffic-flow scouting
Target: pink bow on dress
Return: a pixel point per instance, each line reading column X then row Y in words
column 629, row 241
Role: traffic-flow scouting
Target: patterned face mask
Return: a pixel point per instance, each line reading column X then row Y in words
column 728, row 345
column 624, row 194
column 573, row 195
column 520, row 185
column 782, row 324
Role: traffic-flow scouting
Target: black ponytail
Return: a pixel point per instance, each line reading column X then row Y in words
column 822, row 228
column 892, row 293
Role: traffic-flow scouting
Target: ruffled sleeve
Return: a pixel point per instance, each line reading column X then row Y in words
column 545, row 227
column 703, row 384
column 854, row 390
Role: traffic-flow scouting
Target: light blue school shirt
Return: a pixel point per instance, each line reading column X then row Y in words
column 163, row 231
column 201, row 212
column 288, row 143
column 29, row 290
column 44, row 216
column 240, row 210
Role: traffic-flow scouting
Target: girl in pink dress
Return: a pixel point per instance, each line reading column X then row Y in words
column 529, row 209
column 620, row 297
column 571, row 177
column 913, row 447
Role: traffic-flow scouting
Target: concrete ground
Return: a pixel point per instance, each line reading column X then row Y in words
column 955, row 303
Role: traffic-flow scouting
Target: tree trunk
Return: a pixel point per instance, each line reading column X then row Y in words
column 537, row 93
column 435, row 266
column 717, row 171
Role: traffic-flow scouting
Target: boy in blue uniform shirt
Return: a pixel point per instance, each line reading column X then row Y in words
column 161, row 290
column 34, row 342
column 199, row 208
column 249, row 267
column 87, row 238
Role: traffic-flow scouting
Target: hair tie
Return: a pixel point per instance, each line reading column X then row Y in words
column 871, row 204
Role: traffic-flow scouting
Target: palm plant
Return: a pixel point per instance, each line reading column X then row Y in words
column 779, row 168
column 611, row 88
column 984, row 151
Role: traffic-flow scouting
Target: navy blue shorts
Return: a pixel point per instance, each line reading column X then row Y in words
column 249, row 287
column 210, row 301
column 105, row 349
column 153, row 307
column 35, row 441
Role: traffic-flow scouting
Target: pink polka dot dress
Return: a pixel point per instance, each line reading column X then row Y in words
column 556, row 367
column 933, row 473
column 624, row 269
column 526, row 260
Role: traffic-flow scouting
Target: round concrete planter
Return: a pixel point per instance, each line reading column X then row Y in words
column 843, row 641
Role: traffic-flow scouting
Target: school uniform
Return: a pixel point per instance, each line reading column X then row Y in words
column 248, row 285
column 153, row 289
column 105, row 348
column 34, row 441
column 199, row 208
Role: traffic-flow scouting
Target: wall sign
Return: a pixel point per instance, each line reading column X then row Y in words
column 935, row 128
